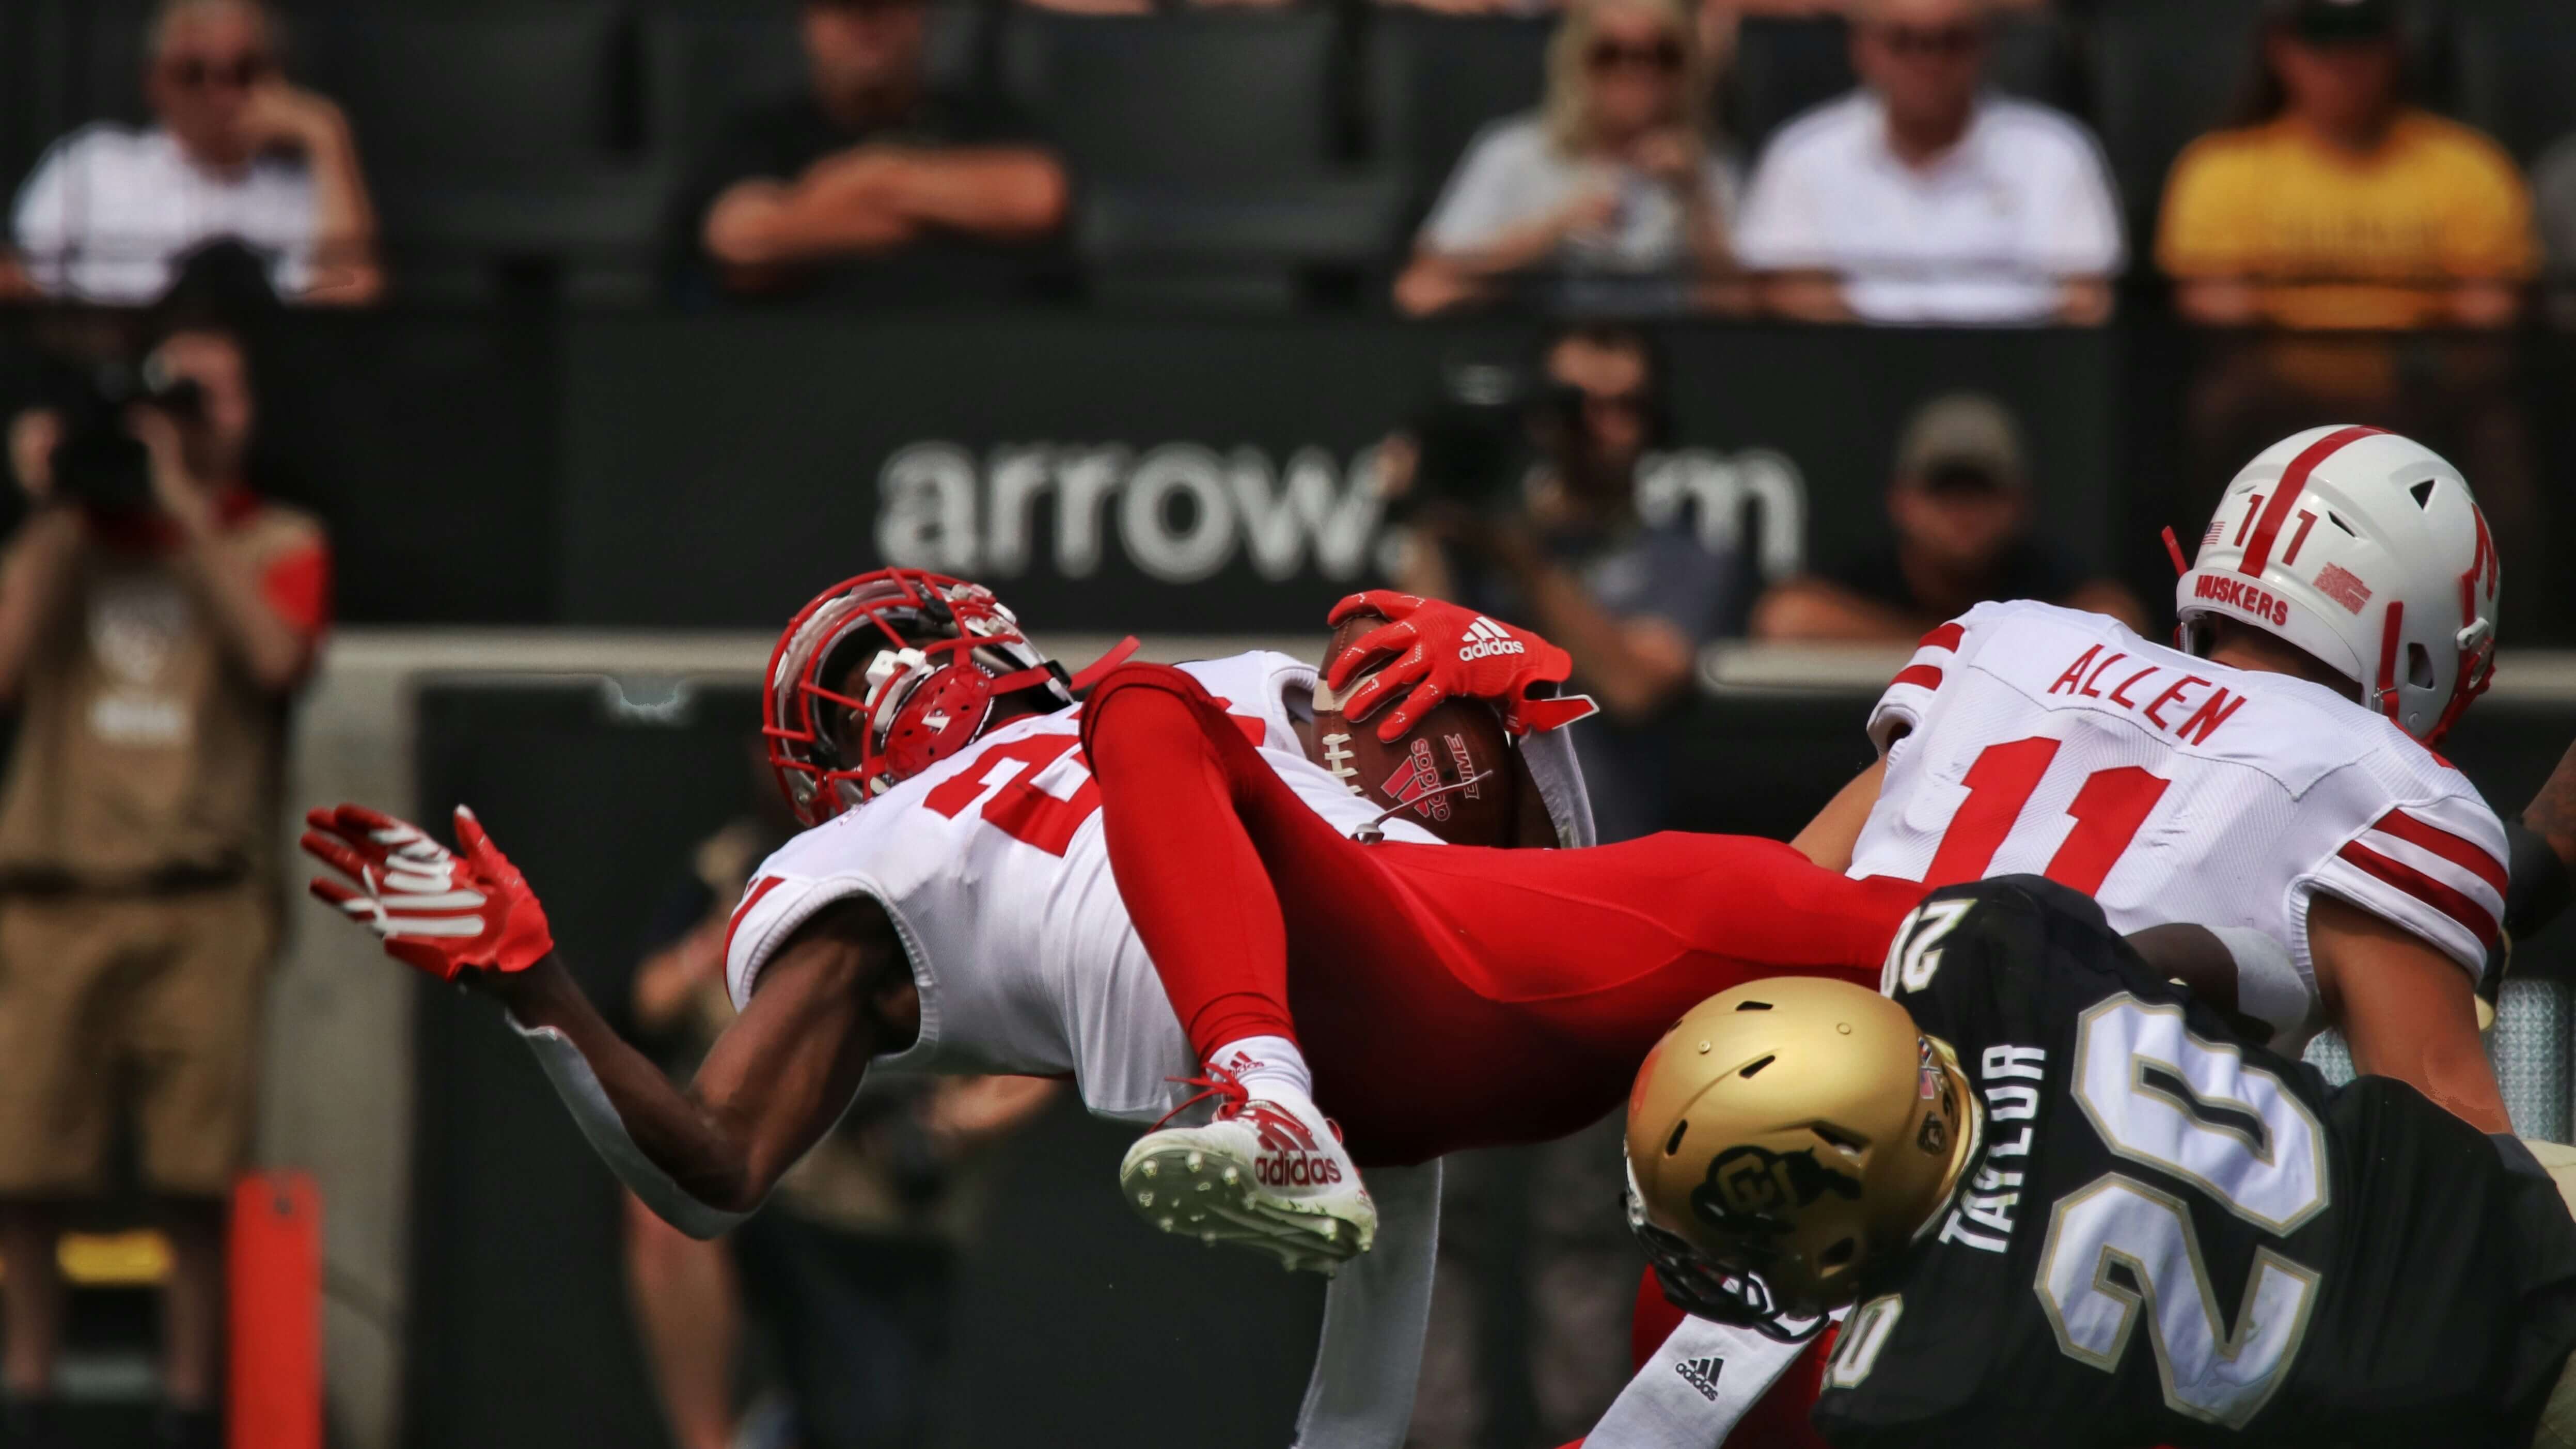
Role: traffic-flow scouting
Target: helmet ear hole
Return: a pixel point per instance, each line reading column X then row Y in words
column 2419, row 666
column 1837, row 1255
column 1842, row 1141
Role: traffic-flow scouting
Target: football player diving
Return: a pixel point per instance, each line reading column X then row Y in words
column 975, row 895
column 2068, row 1202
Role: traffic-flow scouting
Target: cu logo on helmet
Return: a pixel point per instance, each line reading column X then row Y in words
column 1749, row 1187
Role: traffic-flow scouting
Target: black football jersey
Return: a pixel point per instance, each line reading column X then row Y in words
column 2170, row 1236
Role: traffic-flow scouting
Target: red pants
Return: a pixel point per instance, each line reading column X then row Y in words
column 1445, row 997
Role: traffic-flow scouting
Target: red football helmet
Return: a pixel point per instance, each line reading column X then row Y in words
column 944, row 650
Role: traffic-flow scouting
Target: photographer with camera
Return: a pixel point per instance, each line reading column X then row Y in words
column 155, row 616
column 1520, row 500
column 1516, row 494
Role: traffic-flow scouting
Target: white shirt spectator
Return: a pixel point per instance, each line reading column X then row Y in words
column 1514, row 174
column 110, row 208
column 1987, row 233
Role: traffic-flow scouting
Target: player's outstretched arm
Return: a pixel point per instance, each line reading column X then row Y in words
column 2406, row 1010
column 701, row 1158
column 774, row 1083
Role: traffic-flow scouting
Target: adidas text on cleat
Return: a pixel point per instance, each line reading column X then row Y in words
column 1265, row 1174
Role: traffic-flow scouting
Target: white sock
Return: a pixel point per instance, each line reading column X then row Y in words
column 1268, row 1066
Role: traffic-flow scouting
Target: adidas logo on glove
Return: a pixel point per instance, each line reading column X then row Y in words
column 1485, row 639
column 1701, row 1374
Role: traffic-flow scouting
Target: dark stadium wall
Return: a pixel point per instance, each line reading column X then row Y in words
column 536, row 466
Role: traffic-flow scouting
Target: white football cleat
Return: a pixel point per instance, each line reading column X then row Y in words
column 1268, row 1173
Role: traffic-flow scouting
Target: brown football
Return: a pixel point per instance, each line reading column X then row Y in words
column 1459, row 739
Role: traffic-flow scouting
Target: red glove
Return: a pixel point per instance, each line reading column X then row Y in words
column 435, row 910
column 1443, row 650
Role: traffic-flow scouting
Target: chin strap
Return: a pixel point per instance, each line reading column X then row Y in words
column 1090, row 674
column 597, row 1117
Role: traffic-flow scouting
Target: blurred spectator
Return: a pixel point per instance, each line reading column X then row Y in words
column 1925, row 197
column 1564, row 552
column 2553, row 185
column 850, row 1267
column 1960, row 507
column 234, row 152
column 155, row 617
column 869, row 164
column 2334, row 204
column 1612, row 195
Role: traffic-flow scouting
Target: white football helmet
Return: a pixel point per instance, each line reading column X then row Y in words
column 2366, row 550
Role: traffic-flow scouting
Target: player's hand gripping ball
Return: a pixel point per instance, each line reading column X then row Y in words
column 434, row 909
column 1442, row 651
column 1450, row 769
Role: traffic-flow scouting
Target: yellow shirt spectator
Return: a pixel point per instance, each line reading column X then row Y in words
column 2334, row 240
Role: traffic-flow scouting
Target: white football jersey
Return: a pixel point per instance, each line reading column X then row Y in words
column 993, row 868
column 2039, row 740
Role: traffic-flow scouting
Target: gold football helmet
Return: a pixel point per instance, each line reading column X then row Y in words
column 1782, row 1138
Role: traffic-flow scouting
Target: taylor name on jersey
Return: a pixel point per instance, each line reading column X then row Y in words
column 2028, row 738
column 2166, row 1236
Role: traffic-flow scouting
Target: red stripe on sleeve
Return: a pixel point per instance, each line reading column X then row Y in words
column 750, row 898
column 2294, row 481
column 1927, row 675
column 2467, row 854
column 1945, row 637
column 2472, row 917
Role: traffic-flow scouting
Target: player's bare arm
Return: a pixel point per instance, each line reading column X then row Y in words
column 835, row 994
column 1829, row 839
column 2415, row 1019
column 2544, row 853
column 777, row 1078
column 2551, row 815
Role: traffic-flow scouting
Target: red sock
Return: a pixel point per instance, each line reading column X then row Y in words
column 1202, row 902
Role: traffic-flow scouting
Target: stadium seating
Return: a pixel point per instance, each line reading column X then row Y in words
column 1244, row 145
column 2164, row 71
column 705, row 60
column 500, row 134
column 2511, row 70
column 1207, row 148
column 1434, row 81
column 1784, row 66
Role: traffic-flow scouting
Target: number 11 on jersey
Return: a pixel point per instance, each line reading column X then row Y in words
column 2109, row 809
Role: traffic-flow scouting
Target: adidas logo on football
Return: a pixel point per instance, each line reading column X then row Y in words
column 1701, row 1374
column 1485, row 639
